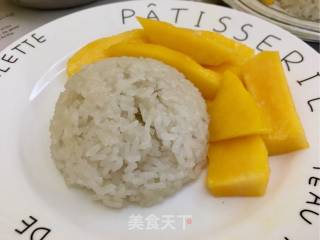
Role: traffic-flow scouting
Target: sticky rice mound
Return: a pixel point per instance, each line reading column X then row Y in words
column 129, row 130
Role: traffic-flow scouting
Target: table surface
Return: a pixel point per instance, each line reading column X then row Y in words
column 28, row 19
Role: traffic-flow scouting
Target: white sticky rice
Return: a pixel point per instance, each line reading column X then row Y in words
column 305, row 9
column 130, row 130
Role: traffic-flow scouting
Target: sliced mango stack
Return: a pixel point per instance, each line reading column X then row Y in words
column 238, row 159
column 252, row 114
column 271, row 125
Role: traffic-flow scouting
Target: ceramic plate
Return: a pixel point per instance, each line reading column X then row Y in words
column 307, row 30
column 35, row 202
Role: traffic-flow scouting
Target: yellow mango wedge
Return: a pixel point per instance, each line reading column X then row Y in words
column 97, row 50
column 264, row 77
column 205, row 80
column 238, row 167
column 207, row 48
column 234, row 113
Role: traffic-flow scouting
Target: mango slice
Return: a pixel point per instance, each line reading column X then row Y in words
column 96, row 50
column 236, row 69
column 268, row 2
column 238, row 167
column 207, row 48
column 205, row 80
column 234, row 112
column 241, row 51
column 264, row 77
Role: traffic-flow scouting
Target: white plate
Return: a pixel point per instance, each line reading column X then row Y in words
column 307, row 30
column 31, row 186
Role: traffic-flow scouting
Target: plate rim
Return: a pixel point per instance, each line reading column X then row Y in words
column 132, row 2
